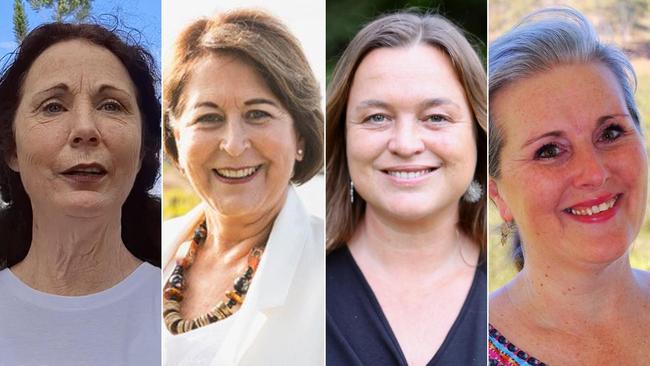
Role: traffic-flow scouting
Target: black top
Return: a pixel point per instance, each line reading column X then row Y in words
column 359, row 334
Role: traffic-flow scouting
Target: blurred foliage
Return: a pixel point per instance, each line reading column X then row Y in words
column 20, row 21
column 603, row 14
column 345, row 18
column 64, row 10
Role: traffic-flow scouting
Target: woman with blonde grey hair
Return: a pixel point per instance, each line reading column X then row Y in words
column 406, row 148
column 568, row 165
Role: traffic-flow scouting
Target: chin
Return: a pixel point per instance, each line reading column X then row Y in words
column 86, row 204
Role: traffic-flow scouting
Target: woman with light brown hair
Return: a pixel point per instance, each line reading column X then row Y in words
column 406, row 148
column 244, row 269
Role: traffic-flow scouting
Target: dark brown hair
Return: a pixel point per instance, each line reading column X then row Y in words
column 401, row 29
column 264, row 42
column 141, row 211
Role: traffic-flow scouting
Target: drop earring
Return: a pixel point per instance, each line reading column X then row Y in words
column 474, row 192
column 351, row 192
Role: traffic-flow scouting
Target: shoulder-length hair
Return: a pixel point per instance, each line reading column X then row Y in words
column 141, row 211
column 402, row 29
column 260, row 39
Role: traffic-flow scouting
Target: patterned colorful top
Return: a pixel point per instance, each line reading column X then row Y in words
column 502, row 352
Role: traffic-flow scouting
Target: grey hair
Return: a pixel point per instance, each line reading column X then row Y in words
column 544, row 39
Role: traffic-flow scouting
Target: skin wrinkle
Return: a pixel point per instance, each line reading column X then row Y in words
column 76, row 234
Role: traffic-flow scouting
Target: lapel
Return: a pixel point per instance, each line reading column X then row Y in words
column 272, row 282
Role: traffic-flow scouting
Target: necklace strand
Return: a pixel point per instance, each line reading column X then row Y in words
column 173, row 290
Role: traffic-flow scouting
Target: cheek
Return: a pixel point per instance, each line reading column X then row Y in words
column 193, row 148
column 363, row 147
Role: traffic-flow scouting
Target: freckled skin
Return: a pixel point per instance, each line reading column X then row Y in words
column 588, row 309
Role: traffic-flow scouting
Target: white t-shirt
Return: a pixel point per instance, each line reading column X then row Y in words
column 118, row 326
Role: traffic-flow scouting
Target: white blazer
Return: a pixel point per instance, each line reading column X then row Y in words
column 282, row 320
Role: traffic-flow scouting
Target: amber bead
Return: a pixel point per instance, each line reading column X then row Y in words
column 172, row 293
column 234, row 296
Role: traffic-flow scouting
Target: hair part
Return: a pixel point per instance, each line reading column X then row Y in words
column 141, row 211
column 265, row 43
column 401, row 29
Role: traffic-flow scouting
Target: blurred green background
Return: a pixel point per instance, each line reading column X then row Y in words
column 625, row 23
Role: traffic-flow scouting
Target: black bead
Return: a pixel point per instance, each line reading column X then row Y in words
column 494, row 363
column 511, row 347
column 178, row 270
column 522, row 355
column 241, row 285
column 249, row 273
column 231, row 303
column 501, row 339
column 532, row 361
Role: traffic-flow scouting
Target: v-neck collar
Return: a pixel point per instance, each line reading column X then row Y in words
column 389, row 331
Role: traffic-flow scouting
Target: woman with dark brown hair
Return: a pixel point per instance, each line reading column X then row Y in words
column 244, row 269
column 406, row 146
column 80, row 141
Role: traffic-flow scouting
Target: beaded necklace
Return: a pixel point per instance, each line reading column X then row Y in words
column 173, row 290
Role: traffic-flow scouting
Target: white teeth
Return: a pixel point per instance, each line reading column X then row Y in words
column 595, row 209
column 408, row 175
column 236, row 173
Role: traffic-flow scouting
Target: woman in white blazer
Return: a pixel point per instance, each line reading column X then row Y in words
column 243, row 271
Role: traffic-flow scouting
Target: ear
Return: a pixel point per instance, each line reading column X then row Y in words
column 495, row 196
column 12, row 161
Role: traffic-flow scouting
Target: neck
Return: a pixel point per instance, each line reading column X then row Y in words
column 567, row 297
column 413, row 247
column 231, row 239
column 75, row 256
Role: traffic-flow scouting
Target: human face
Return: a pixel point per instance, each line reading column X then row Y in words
column 78, row 131
column 410, row 142
column 573, row 167
column 236, row 142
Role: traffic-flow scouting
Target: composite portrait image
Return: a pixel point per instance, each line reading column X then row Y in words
column 324, row 182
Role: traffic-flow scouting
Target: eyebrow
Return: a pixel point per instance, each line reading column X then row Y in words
column 428, row 103
column 599, row 122
column 58, row 87
column 105, row 87
column 260, row 101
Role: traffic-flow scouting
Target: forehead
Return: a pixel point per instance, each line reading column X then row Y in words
column 75, row 62
column 564, row 97
column 407, row 73
column 220, row 76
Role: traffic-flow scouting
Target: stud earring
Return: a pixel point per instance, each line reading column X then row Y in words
column 300, row 152
column 474, row 192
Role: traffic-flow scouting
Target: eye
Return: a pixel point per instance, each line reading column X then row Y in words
column 437, row 118
column 111, row 106
column 53, row 108
column 611, row 133
column 548, row 151
column 257, row 114
column 376, row 118
column 210, row 118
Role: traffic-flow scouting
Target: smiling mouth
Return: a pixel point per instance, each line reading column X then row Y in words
column 409, row 174
column 242, row 173
column 595, row 209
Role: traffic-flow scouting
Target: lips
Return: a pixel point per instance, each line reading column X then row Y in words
column 596, row 210
column 92, row 169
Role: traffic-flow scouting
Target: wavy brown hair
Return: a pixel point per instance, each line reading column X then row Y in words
column 402, row 29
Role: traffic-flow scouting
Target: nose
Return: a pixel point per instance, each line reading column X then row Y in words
column 235, row 139
column 84, row 130
column 591, row 169
column 406, row 139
